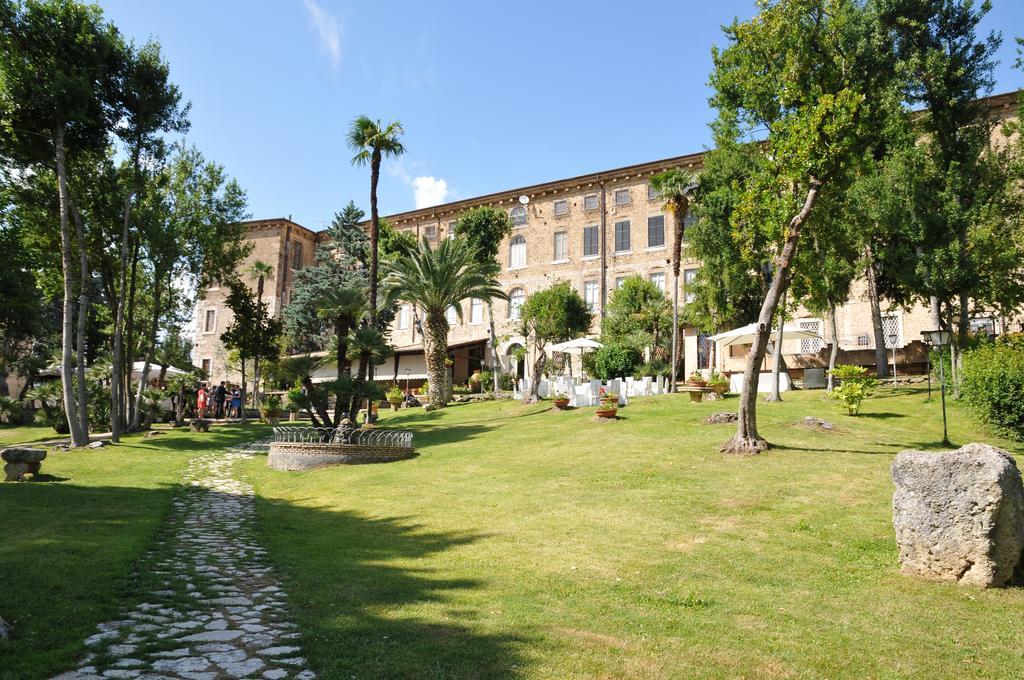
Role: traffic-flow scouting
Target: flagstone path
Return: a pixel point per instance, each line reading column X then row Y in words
column 217, row 611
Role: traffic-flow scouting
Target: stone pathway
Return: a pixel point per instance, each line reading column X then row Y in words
column 217, row 611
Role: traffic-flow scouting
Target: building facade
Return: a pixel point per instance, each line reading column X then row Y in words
column 593, row 231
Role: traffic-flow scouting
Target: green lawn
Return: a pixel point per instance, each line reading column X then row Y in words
column 69, row 543
column 25, row 434
column 530, row 543
column 526, row 543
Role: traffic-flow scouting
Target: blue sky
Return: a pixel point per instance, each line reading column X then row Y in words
column 492, row 95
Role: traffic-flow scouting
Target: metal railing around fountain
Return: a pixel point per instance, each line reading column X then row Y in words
column 343, row 435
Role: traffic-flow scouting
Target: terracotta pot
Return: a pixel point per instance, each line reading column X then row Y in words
column 605, row 412
column 561, row 404
column 696, row 383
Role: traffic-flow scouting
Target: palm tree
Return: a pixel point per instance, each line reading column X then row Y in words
column 436, row 281
column 371, row 142
column 675, row 186
column 261, row 271
column 344, row 308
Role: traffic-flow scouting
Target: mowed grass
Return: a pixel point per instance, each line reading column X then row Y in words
column 71, row 540
column 527, row 543
column 25, row 434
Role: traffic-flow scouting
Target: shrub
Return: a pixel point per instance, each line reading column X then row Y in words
column 615, row 361
column 394, row 394
column 855, row 385
column 992, row 383
column 507, row 381
column 10, row 411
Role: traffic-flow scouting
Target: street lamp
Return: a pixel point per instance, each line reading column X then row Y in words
column 407, row 372
column 940, row 339
column 927, row 362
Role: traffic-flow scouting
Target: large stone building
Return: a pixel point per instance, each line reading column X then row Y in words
column 592, row 231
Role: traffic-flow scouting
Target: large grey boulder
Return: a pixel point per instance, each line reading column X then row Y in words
column 959, row 515
column 20, row 461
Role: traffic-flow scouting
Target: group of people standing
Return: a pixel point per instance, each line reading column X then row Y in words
column 221, row 401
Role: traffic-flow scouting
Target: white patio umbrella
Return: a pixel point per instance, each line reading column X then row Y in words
column 744, row 335
column 580, row 345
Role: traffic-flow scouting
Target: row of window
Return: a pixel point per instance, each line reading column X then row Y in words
column 518, row 214
column 517, row 296
column 591, row 241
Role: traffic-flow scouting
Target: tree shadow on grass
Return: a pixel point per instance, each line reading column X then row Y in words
column 366, row 606
column 881, row 415
column 350, row 581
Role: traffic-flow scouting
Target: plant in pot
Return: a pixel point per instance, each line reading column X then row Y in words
column 718, row 382
column 609, row 404
column 696, row 380
column 561, row 401
column 395, row 397
column 271, row 409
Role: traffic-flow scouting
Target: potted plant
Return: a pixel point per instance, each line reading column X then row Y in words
column 395, row 397
column 271, row 409
column 609, row 404
column 696, row 380
column 561, row 401
column 718, row 382
column 474, row 381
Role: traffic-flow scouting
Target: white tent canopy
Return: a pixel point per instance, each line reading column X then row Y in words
column 154, row 370
column 577, row 345
column 745, row 335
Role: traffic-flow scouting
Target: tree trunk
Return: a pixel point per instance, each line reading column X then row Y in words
column 241, row 409
column 78, row 437
column 435, row 350
column 834, row 350
column 881, row 360
column 374, row 242
column 117, row 350
column 747, row 439
column 680, row 206
column 531, row 395
column 317, row 408
column 144, row 378
column 83, row 319
column 127, row 406
column 775, row 395
column 495, row 364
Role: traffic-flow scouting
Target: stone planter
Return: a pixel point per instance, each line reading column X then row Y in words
column 696, row 396
column 293, row 416
column 21, row 461
column 395, row 404
column 720, row 388
column 272, row 417
column 561, row 404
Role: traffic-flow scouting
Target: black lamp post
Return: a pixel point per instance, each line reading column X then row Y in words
column 928, row 362
column 940, row 339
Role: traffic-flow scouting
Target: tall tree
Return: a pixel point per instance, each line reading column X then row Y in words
column 59, row 98
column 817, row 100
column 551, row 315
column 437, row 280
column 152, row 105
column 252, row 332
column 485, row 228
column 674, row 187
column 947, row 67
column 372, row 142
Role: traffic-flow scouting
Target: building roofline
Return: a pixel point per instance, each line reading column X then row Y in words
column 1004, row 101
column 272, row 221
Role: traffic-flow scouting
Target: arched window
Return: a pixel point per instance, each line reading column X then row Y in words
column 516, row 298
column 518, row 215
column 517, row 252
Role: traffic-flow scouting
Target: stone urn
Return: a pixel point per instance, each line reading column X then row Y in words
column 21, row 461
column 696, row 396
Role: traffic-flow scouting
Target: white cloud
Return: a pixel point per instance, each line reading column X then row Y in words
column 429, row 191
column 330, row 33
